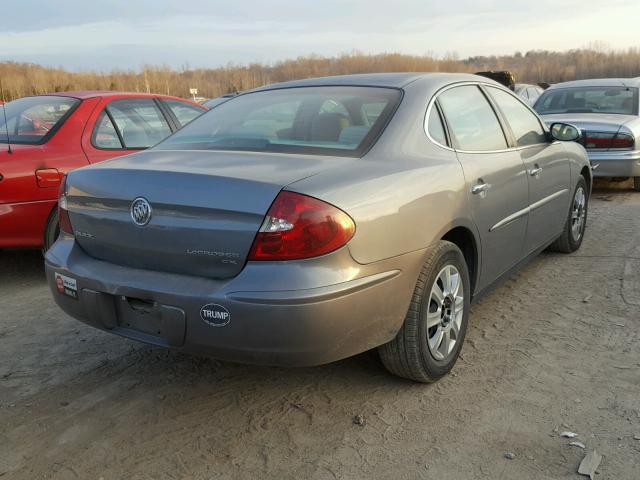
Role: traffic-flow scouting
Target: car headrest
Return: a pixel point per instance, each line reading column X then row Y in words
column 353, row 135
column 326, row 127
column 577, row 103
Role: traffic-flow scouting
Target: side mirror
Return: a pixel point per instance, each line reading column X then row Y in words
column 565, row 132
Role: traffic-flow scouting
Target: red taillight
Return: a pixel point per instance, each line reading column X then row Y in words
column 623, row 140
column 63, row 213
column 599, row 140
column 298, row 226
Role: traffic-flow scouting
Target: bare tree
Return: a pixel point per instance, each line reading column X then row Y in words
column 21, row 79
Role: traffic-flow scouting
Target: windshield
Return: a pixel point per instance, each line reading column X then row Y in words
column 33, row 120
column 310, row 120
column 616, row 100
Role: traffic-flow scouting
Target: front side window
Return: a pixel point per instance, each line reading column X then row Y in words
column 309, row 120
column 140, row 122
column 612, row 100
column 525, row 125
column 472, row 122
column 184, row 112
column 33, row 120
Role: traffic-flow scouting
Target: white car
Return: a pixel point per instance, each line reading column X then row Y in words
column 606, row 110
column 529, row 93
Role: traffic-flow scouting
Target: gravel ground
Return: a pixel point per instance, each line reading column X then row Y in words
column 556, row 347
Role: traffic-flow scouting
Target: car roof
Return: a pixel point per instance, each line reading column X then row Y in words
column 599, row 82
column 86, row 94
column 389, row 80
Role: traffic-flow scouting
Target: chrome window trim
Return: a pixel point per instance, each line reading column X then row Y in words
column 434, row 98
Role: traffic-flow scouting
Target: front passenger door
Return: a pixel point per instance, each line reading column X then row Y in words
column 495, row 176
column 547, row 170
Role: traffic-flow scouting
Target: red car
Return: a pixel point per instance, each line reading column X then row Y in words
column 45, row 136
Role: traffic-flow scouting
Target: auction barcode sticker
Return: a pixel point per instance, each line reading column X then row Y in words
column 67, row 285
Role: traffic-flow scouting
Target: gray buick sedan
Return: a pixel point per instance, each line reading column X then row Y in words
column 305, row 222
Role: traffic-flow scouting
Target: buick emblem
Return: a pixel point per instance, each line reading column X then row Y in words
column 140, row 211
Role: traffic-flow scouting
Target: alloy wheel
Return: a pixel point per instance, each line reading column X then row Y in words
column 445, row 312
column 578, row 214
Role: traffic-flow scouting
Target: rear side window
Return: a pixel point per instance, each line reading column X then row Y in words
column 525, row 125
column 33, row 120
column 435, row 128
column 105, row 135
column 140, row 122
column 339, row 121
column 184, row 112
column 472, row 122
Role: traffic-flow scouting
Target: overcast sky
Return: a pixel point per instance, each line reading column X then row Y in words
column 79, row 34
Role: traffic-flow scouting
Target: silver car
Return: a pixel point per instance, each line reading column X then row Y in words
column 305, row 222
column 530, row 93
column 607, row 112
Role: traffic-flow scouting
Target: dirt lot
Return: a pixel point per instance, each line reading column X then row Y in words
column 557, row 347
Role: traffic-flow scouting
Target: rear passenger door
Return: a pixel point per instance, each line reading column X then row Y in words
column 125, row 126
column 548, row 169
column 495, row 176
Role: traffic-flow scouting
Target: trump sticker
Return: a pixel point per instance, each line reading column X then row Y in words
column 215, row 315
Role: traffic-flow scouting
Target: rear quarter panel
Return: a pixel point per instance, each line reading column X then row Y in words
column 633, row 126
column 403, row 195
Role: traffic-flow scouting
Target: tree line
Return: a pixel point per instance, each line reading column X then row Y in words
column 21, row 79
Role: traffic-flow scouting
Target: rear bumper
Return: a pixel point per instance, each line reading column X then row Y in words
column 280, row 313
column 615, row 164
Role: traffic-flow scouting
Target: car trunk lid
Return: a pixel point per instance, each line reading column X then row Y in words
column 206, row 207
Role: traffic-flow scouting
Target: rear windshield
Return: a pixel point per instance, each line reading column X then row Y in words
column 616, row 100
column 33, row 120
column 310, row 120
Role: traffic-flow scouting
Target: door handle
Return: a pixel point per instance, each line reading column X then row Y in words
column 535, row 171
column 480, row 188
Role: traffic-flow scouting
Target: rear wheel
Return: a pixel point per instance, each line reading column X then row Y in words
column 429, row 342
column 636, row 184
column 52, row 230
column 576, row 223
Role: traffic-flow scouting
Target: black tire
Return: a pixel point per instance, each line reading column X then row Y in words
column 636, row 184
column 408, row 355
column 52, row 230
column 567, row 242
